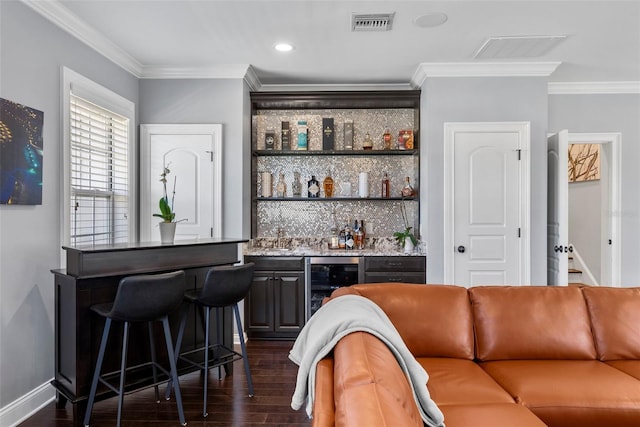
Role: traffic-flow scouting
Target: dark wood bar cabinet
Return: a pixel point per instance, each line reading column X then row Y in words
column 91, row 276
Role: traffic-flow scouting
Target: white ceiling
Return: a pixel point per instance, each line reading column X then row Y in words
column 156, row 38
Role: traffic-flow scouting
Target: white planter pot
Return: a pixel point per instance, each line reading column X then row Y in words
column 408, row 246
column 167, row 232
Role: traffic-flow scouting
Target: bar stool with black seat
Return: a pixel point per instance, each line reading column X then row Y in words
column 224, row 286
column 141, row 298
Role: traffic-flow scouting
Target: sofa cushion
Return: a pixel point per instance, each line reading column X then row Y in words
column 324, row 407
column 461, row 381
column 418, row 311
column 370, row 388
column 631, row 367
column 615, row 316
column 568, row 393
column 531, row 322
column 490, row 415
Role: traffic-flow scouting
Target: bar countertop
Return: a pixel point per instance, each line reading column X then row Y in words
column 147, row 245
column 133, row 258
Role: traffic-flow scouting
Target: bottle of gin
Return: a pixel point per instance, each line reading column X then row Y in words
column 313, row 189
column 327, row 185
column 349, row 243
column 281, row 186
column 296, row 185
column 407, row 190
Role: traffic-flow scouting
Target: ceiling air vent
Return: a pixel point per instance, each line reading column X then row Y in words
column 517, row 46
column 372, row 22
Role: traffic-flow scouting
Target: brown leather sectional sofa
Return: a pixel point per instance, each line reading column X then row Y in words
column 496, row 357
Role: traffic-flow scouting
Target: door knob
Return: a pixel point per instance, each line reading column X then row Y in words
column 461, row 249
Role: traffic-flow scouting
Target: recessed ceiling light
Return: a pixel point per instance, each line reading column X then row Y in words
column 430, row 20
column 283, row 47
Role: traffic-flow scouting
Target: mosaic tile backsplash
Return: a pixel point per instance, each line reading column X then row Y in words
column 301, row 218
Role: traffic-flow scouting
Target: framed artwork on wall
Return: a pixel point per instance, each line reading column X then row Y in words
column 20, row 154
column 584, row 162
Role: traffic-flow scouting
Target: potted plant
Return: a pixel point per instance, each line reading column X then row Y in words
column 405, row 238
column 168, row 224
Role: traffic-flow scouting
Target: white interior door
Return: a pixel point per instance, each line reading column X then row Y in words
column 488, row 204
column 558, row 209
column 192, row 153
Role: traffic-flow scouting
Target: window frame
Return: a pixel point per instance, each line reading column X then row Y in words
column 73, row 82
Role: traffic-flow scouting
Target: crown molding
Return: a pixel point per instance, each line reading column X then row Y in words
column 55, row 12
column 593, row 88
column 224, row 71
column 482, row 69
column 333, row 87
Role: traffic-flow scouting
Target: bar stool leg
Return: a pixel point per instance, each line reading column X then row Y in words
column 174, row 371
column 206, row 358
column 244, row 349
column 152, row 345
column 183, row 322
column 219, row 320
column 123, row 369
column 96, row 375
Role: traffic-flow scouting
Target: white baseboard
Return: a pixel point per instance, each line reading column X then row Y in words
column 27, row 405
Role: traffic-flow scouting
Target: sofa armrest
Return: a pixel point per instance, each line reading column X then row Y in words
column 323, row 404
column 370, row 388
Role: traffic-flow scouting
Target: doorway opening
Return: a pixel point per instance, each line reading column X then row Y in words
column 593, row 216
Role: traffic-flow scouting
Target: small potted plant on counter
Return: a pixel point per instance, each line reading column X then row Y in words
column 168, row 224
column 406, row 238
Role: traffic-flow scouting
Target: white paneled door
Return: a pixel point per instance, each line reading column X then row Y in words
column 487, row 237
column 558, row 209
column 192, row 153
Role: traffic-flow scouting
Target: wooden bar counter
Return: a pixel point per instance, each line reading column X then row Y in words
column 91, row 276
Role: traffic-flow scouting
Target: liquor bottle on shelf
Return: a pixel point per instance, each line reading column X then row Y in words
column 281, row 186
column 367, row 144
column 407, row 190
column 342, row 239
column 313, row 190
column 356, row 235
column 327, row 185
column 386, row 139
column 349, row 243
column 303, row 135
column 296, row 185
column 335, row 233
column 362, row 235
column 384, row 191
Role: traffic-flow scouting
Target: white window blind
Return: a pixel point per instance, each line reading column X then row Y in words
column 99, row 193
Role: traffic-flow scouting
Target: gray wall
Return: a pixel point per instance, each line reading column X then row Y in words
column 33, row 52
column 611, row 113
column 221, row 101
column 481, row 99
column 585, row 217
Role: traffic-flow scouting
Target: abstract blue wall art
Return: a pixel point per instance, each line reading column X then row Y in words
column 20, row 154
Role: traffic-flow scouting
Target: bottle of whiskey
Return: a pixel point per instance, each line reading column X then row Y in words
column 281, row 186
column 386, row 139
column 342, row 239
column 384, row 192
column 296, row 185
column 367, row 144
column 328, row 186
column 362, row 234
column 356, row 235
column 407, row 190
column 313, row 190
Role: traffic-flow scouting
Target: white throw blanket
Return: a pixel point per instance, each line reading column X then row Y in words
column 342, row 316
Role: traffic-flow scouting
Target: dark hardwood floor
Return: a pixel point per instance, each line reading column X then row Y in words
column 274, row 377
